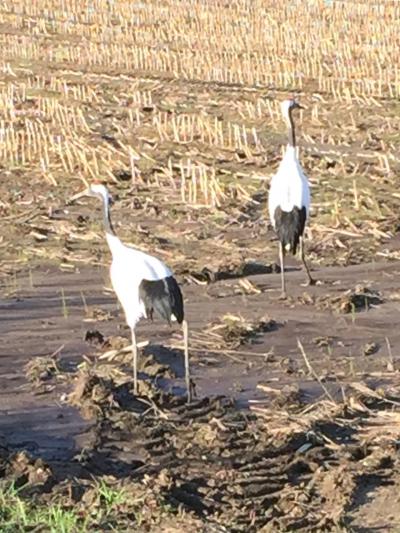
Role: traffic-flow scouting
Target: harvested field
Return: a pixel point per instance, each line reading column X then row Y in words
column 296, row 421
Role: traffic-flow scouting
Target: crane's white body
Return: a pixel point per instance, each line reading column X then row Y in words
column 289, row 198
column 136, row 275
column 129, row 267
column 289, row 186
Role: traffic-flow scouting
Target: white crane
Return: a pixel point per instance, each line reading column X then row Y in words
column 142, row 283
column 289, row 198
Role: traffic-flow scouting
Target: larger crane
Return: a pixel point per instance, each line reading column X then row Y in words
column 289, row 198
column 142, row 283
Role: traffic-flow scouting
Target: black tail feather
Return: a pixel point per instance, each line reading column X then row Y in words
column 289, row 227
column 164, row 297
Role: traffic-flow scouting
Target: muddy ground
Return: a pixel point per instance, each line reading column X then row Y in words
column 273, row 440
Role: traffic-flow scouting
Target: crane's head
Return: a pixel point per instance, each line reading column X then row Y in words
column 96, row 190
column 287, row 106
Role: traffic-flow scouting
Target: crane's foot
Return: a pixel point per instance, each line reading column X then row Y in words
column 283, row 296
column 309, row 283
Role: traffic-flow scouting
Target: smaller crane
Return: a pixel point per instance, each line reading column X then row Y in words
column 289, row 198
column 142, row 283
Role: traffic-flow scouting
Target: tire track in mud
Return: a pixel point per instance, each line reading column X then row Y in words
column 224, row 465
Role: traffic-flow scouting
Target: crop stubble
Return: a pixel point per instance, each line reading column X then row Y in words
column 178, row 110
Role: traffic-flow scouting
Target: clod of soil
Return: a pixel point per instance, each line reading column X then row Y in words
column 359, row 299
column 41, row 369
column 234, row 331
column 95, row 314
column 223, row 272
column 93, row 336
column 153, row 368
column 25, row 470
column 370, row 348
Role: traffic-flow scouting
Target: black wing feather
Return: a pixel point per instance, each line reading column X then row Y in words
column 164, row 297
column 290, row 226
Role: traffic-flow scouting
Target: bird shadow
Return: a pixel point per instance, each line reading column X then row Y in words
column 166, row 356
column 163, row 366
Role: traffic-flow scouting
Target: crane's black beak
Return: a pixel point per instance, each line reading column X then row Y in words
column 296, row 105
column 111, row 200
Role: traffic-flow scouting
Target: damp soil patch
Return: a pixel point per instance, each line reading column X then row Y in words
column 280, row 466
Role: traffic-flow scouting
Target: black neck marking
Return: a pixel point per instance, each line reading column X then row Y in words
column 291, row 131
column 108, row 226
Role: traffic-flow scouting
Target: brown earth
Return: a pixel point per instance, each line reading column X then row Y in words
column 241, row 469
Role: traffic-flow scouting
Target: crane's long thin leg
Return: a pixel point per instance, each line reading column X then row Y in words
column 283, row 287
column 311, row 280
column 186, row 352
column 134, row 354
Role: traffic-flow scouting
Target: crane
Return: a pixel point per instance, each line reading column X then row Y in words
column 289, row 198
column 144, row 285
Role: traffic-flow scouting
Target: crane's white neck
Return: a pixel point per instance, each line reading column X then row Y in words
column 112, row 239
column 291, row 151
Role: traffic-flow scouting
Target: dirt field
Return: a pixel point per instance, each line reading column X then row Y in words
column 296, row 421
